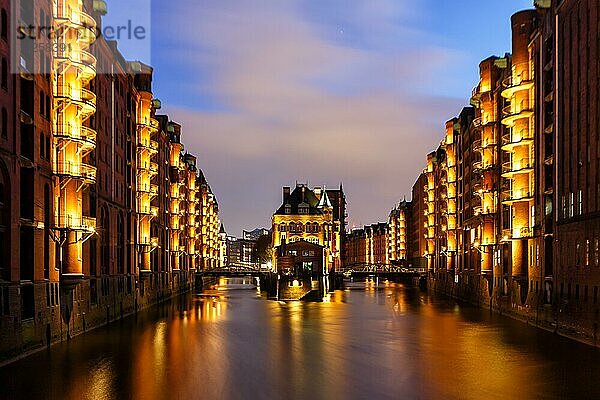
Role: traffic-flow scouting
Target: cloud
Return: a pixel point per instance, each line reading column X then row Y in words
column 308, row 92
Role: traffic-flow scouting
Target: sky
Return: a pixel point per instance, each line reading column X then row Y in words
column 270, row 92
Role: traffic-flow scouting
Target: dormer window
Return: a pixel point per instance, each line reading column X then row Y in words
column 288, row 209
column 303, row 208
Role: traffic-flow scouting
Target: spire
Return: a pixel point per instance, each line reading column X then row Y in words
column 324, row 200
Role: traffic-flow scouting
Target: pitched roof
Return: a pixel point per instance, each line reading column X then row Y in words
column 301, row 195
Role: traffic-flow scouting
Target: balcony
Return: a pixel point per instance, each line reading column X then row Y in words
column 512, row 139
column 83, row 60
column 151, row 189
column 517, row 233
column 79, row 20
column 149, row 123
column 148, row 145
column 515, row 113
column 78, row 133
column 510, row 168
column 74, row 222
column 513, row 196
column 481, row 122
column 83, row 98
column 521, row 79
column 76, row 170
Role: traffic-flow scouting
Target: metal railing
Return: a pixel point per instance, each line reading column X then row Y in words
column 76, row 222
column 76, row 170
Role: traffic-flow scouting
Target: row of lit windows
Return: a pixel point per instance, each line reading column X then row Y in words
column 308, row 228
column 587, row 253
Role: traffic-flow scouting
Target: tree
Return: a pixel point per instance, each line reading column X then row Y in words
column 264, row 248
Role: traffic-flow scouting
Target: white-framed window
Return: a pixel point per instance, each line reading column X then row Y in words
column 572, row 205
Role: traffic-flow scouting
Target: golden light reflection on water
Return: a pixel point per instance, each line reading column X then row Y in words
column 381, row 341
column 101, row 385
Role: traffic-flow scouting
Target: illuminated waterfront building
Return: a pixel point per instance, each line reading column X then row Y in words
column 510, row 198
column 86, row 170
column 368, row 245
column 398, row 232
column 313, row 215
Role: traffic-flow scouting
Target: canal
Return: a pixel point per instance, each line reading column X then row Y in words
column 367, row 342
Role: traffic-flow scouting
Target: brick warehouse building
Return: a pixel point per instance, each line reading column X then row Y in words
column 511, row 196
column 368, row 245
column 102, row 212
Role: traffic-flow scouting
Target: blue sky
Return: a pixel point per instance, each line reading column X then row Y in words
column 274, row 91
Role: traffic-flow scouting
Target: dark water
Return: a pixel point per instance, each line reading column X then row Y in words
column 391, row 342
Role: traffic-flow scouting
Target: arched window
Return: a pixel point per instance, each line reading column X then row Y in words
column 282, row 227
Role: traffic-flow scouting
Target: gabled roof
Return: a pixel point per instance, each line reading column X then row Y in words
column 301, row 195
column 324, row 201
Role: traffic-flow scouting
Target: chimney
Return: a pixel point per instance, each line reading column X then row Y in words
column 286, row 194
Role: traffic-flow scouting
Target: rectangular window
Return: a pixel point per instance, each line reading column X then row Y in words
column 587, row 253
column 4, row 301
column 580, row 212
column 572, row 205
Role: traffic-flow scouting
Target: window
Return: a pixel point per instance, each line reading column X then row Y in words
column 42, row 103
column 4, row 73
column 4, row 22
column 288, row 209
column 28, row 302
column 4, row 301
column 580, row 198
column 4, row 127
column 587, row 253
column 42, row 146
column 572, row 205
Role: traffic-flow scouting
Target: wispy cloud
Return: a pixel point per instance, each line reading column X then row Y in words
column 320, row 91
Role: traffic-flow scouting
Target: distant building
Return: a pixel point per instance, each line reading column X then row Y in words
column 315, row 215
column 398, row 232
column 368, row 245
column 255, row 234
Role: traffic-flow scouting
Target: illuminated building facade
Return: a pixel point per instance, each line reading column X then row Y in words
column 506, row 212
column 312, row 216
column 398, row 236
column 86, row 172
column 368, row 245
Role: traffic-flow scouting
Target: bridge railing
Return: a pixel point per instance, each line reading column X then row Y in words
column 381, row 269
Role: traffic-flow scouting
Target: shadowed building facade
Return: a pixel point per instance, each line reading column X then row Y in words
column 87, row 232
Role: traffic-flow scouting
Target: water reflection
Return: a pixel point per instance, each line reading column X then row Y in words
column 376, row 340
